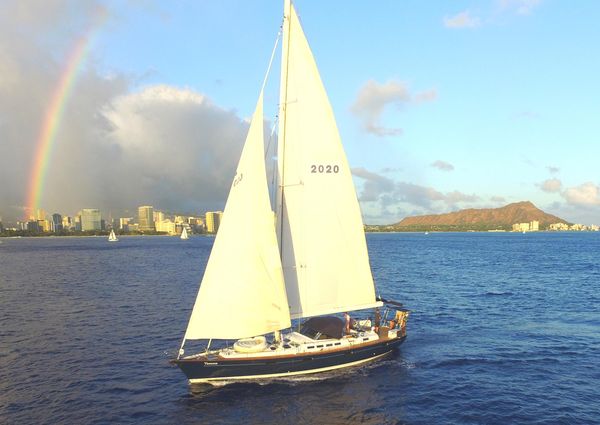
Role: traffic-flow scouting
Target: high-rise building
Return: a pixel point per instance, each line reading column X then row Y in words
column 166, row 226
column 90, row 219
column 213, row 220
column 57, row 222
column 44, row 225
column 146, row 218
column 67, row 222
column 33, row 226
column 124, row 223
column 77, row 221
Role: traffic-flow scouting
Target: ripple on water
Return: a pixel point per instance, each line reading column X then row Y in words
column 501, row 331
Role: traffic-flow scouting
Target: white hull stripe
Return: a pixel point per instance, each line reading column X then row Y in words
column 275, row 375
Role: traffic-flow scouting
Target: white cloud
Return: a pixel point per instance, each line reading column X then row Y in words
column 552, row 169
column 179, row 147
column 456, row 197
column 521, row 7
column 373, row 98
column 462, row 20
column 466, row 19
column 581, row 203
column 586, row 194
column 426, row 96
column 551, row 185
column 443, row 165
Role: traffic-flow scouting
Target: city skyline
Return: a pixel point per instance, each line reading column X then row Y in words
column 147, row 219
column 440, row 106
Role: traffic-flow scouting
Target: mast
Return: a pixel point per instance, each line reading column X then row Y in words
column 283, row 92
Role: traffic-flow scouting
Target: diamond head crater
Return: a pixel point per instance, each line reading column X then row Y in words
column 475, row 219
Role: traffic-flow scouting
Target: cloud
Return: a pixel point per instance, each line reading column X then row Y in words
column 581, row 203
column 374, row 186
column 521, row 7
column 456, row 197
column 553, row 170
column 426, row 96
column 551, row 185
column 498, row 199
column 465, row 19
column 584, row 214
column 462, row 20
column 373, row 98
column 586, row 194
column 381, row 195
column 415, row 194
column 34, row 37
column 118, row 145
column 181, row 148
column 443, row 165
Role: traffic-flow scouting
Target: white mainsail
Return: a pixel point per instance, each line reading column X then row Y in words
column 184, row 234
column 243, row 277
column 323, row 248
column 112, row 237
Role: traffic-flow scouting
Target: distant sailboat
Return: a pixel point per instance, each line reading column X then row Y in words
column 112, row 237
column 312, row 264
column 184, row 234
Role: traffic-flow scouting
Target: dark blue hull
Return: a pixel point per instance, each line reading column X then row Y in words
column 214, row 369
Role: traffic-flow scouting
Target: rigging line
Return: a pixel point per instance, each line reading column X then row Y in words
column 272, row 57
column 279, row 34
column 272, row 188
column 275, row 122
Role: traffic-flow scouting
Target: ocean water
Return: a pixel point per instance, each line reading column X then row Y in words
column 505, row 328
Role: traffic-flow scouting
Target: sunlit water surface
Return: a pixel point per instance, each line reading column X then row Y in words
column 505, row 328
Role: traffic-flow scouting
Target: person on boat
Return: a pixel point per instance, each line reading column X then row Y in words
column 377, row 319
column 347, row 320
column 401, row 317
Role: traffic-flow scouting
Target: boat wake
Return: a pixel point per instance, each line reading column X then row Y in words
column 350, row 373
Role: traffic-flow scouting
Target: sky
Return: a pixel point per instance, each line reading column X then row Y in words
column 441, row 105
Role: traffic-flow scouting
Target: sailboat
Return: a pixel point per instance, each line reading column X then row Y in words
column 310, row 267
column 112, row 237
column 184, row 234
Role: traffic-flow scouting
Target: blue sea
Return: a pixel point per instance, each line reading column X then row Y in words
column 505, row 329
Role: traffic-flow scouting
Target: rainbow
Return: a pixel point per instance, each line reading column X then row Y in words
column 55, row 111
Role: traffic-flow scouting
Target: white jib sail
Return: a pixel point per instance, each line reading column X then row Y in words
column 242, row 293
column 324, row 253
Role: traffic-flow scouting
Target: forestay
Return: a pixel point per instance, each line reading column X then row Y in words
column 243, row 278
column 324, row 253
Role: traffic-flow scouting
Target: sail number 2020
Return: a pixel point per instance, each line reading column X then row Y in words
column 327, row 169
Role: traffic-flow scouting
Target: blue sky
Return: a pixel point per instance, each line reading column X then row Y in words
column 440, row 105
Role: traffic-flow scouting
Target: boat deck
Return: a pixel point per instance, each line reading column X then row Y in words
column 295, row 344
